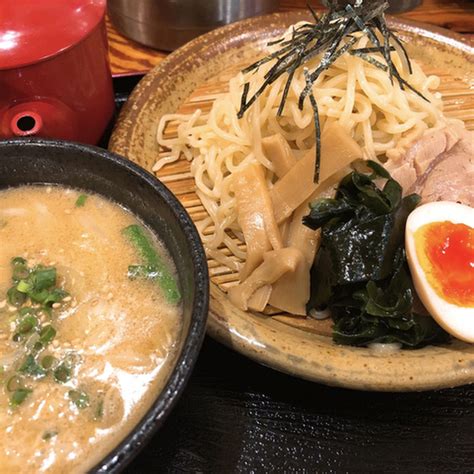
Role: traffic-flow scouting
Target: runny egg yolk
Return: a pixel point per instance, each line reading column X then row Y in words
column 446, row 254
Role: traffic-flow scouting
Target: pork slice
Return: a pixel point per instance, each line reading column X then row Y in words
column 430, row 148
column 404, row 173
column 452, row 178
column 438, row 166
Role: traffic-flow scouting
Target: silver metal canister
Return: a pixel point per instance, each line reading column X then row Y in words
column 167, row 24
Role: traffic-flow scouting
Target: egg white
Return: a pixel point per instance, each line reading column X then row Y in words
column 457, row 320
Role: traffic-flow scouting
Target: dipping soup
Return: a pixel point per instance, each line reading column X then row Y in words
column 90, row 319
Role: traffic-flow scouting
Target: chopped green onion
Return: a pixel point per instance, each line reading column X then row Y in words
column 31, row 367
column 47, row 310
column 19, row 396
column 136, row 235
column 15, row 382
column 79, row 398
column 20, row 269
column 62, row 373
column 47, row 361
column 99, row 412
column 27, row 324
column 47, row 334
column 47, row 435
column 14, row 297
column 81, row 200
column 55, row 296
column 18, row 261
column 24, row 286
column 38, row 346
column 26, row 311
column 39, row 296
column 44, row 277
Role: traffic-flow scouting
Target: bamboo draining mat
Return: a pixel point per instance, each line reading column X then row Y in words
column 458, row 100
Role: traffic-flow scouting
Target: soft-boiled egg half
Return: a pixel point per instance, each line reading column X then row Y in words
column 439, row 242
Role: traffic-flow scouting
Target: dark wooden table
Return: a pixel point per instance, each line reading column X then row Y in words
column 238, row 416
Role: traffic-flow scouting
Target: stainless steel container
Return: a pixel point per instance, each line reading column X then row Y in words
column 167, row 24
column 399, row 6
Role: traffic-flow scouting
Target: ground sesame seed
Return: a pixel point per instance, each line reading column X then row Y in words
column 67, row 299
column 55, row 343
column 3, row 304
column 11, row 309
column 110, row 296
column 12, row 327
column 74, row 304
column 56, row 305
column 48, row 190
column 67, row 211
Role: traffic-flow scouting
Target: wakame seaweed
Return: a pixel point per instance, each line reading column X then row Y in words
column 332, row 35
column 360, row 271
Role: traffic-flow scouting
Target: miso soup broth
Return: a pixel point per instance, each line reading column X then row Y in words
column 90, row 318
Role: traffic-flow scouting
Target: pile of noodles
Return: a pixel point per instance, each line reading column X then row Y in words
column 380, row 116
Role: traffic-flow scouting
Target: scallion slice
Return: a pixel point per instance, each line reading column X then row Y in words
column 81, row 200
column 62, row 373
column 79, row 398
column 19, row 396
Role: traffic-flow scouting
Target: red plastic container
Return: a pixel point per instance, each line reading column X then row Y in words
column 55, row 78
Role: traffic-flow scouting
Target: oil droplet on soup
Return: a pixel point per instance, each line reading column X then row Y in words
column 90, row 318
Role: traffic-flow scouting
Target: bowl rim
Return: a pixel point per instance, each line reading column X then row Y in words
column 155, row 416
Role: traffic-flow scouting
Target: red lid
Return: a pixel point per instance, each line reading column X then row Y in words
column 32, row 30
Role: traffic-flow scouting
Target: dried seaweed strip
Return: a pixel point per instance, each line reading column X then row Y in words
column 369, row 59
column 368, row 50
column 245, row 93
column 382, row 27
column 313, row 12
column 317, row 130
column 404, row 51
column 286, row 90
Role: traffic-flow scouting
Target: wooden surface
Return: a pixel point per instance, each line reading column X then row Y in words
column 128, row 57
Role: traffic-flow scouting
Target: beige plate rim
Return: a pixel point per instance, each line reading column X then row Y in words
column 269, row 342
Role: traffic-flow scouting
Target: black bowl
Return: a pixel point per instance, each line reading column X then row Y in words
column 30, row 161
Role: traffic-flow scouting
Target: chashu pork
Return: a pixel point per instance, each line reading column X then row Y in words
column 439, row 166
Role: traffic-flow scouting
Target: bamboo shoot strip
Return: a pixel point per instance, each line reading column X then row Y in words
column 137, row 237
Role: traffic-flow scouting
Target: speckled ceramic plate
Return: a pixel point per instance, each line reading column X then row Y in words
column 191, row 78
